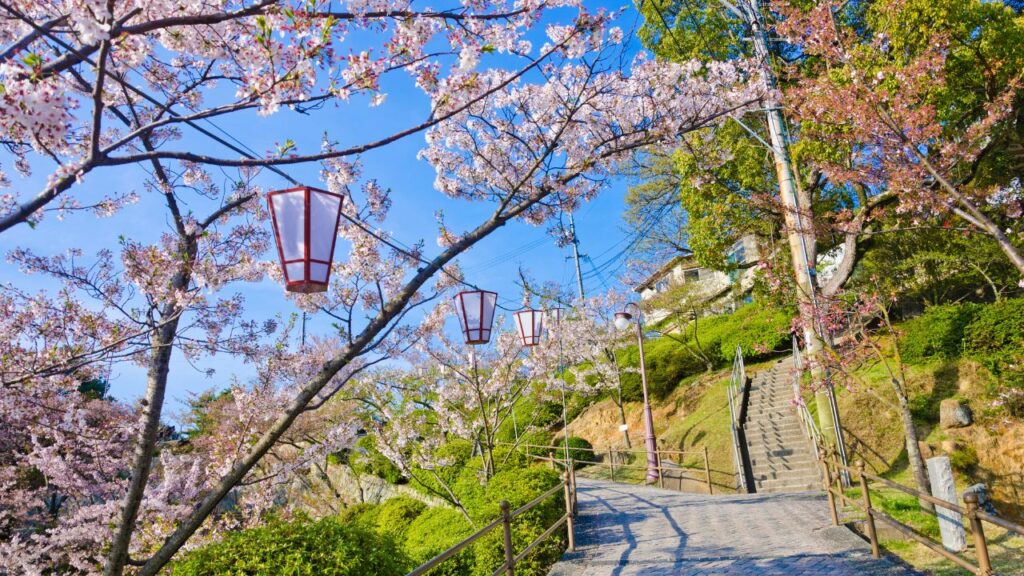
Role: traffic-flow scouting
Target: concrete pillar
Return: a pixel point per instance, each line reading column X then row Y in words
column 951, row 524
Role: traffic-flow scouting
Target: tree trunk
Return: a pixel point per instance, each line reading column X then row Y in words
column 161, row 346
column 913, row 447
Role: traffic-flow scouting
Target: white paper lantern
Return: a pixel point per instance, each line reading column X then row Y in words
column 530, row 324
column 475, row 309
column 306, row 227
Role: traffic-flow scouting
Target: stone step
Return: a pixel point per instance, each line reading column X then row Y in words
column 794, row 476
column 784, row 463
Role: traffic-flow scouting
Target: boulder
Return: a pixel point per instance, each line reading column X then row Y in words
column 949, row 446
column 984, row 500
column 954, row 414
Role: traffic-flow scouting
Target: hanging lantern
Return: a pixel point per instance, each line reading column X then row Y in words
column 531, row 325
column 305, row 226
column 552, row 317
column 475, row 309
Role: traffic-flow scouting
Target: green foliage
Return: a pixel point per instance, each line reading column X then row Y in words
column 365, row 458
column 457, row 452
column 580, row 450
column 996, row 339
column 302, row 547
column 964, row 458
column 667, row 362
column 938, row 333
column 529, row 413
column 519, row 486
column 758, row 330
column 395, row 515
column 433, row 532
column 199, row 419
column 96, row 388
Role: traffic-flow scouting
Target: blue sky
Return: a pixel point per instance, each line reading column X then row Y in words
column 492, row 264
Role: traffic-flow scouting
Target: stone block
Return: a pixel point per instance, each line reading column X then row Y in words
column 954, row 414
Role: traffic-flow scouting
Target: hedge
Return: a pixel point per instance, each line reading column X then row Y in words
column 302, row 547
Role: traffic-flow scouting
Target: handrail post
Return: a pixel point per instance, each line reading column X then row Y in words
column 569, row 512
column 870, row 519
column 707, row 471
column 980, row 545
column 661, row 476
column 826, row 480
column 611, row 464
column 506, row 524
column 571, row 471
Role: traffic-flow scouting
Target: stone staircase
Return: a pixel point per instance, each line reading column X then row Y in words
column 781, row 456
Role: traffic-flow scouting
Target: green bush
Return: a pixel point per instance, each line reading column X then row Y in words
column 758, row 330
column 580, row 450
column 995, row 338
column 395, row 515
column 667, row 362
column 519, row 486
column 364, row 514
column 456, row 453
column 366, row 459
column 302, row 547
column 938, row 333
column 433, row 532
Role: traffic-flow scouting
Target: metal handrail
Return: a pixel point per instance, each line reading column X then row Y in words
column 974, row 515
column 553, row 450
column 810, row 427
column 737, row 391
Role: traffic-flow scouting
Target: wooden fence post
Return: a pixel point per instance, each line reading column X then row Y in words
column 611, row 463
column 826, row 480
column 980, row 545
column 571, row 471
column 707, row 471
column 569, row 512
column 506, row 524
column 870, row 519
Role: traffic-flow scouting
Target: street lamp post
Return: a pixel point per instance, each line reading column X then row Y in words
column 554, row 319
column 622, row 322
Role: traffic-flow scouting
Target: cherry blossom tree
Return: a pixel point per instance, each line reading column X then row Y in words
column 902, row 120
column 528, row 147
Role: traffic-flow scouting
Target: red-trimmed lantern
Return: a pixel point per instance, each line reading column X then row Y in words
column 552, row 317
column 530, row 324
column 475, row 309
column 305, row 227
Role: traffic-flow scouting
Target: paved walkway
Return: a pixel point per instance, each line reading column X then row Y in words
column 636, row 530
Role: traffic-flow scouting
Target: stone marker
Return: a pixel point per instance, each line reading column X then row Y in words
column 951, row 524
column 954, row 414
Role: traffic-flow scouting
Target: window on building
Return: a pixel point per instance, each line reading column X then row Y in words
column 661, row 286
column 691, row 275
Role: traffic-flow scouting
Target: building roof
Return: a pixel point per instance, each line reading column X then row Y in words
column 661, row 272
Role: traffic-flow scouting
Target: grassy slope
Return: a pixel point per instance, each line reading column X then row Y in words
column 693, row 416
column 875, row 435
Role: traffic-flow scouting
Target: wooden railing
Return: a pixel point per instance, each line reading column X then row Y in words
column 567, row 486
column 982, row 565
column 607, row 458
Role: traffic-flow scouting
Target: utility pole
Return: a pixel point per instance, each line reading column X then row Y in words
column 576, row 255
column 802, row 240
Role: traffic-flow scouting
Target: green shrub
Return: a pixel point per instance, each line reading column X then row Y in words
column 366, row 459
column 964, row 458
column 395, row 515
column 433, row 532
column 938, row 333
column 580, row 450
column 758, row 330
column 303, row 547
column 667, row 362
column 364, row 514
column 456, row 453
column 995, row 338
column 519, row 486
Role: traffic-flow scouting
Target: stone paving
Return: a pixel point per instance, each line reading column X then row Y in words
column 626, row 530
